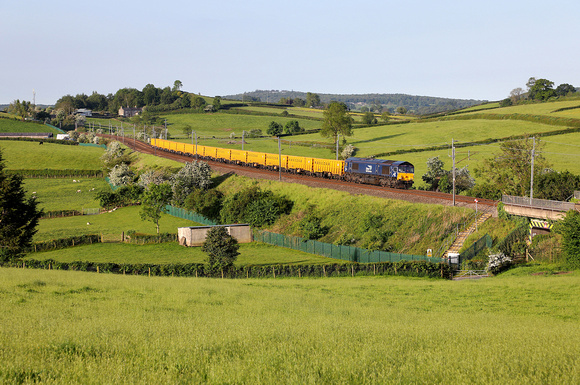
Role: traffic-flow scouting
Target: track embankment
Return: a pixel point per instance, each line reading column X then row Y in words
column 415, row 196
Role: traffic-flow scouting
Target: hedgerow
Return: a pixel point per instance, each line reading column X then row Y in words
column 402, row 268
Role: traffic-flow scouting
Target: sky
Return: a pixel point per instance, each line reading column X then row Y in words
column 456, row 49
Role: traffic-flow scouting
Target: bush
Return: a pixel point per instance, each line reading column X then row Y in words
column 123, row 196
column 121, row 175
column 205, row 202
column 274, row 129
column 293, row 127
column 498, row 263
column 254, row 206
column 193, row 175
column 570, row 230
column 311, row 227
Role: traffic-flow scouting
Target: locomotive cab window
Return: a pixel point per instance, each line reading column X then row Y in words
column 406, row 168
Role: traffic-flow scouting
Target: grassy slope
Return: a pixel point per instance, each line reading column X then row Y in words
column 414, row 227
column 10, row 125
column 547, row 109
column 223, row 124
column 101, row 328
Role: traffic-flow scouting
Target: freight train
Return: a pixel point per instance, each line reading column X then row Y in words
column 387, row 173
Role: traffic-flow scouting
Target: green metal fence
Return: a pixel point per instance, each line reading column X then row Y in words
column 185, row 214
column 346, row 253
column 474, row 249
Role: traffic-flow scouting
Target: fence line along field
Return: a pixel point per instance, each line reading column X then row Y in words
column 104, row 328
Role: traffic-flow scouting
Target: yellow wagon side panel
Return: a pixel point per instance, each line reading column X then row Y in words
column 299, row 163
column 272, row 160
column 239, row 156
column 256, row 158
column 335, row 167
column 223, row 153
column 189, row 149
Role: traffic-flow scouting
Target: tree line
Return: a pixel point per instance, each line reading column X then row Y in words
column 538, row 90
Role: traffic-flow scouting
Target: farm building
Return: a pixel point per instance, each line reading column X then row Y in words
column 128, row 112
column 195, row 235
column 84, row 112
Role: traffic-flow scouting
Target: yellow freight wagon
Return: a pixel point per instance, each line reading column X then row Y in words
column 273, row 161
column 324, row 167
column 223, row 154
column 300, row 164
column 239, row 156
column 256, row 159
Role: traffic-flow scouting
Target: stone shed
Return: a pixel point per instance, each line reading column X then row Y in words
column 195, row 235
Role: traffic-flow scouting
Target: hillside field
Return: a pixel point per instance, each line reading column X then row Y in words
column 104, row 328
column 12, row 125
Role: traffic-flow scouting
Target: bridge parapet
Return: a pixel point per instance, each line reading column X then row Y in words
column 543, row 204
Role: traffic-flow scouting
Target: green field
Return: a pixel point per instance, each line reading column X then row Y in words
column 111, row 225
column 72, row 327
column 10, row 125
column 172, row 252
column 30, row 156
column 223, row 124
column 61, row 193
column 547, row 109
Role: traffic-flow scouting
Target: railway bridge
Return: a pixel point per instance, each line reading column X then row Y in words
column 538, row 208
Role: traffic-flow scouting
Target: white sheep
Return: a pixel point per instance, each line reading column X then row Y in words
column 78, row 191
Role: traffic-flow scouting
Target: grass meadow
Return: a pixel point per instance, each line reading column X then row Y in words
column 12, row 125
column 55, row 194
column 223, row 124
column 547, row 108
column 171, row 252
column 30, row 156
column 73, row 327
column 111, row 225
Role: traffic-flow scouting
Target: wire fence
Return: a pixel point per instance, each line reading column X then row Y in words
column 345, row 253
column 473, row 250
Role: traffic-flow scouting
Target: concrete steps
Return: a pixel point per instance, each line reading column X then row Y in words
column 462, row 236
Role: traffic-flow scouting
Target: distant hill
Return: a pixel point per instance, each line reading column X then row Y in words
column 421, row 105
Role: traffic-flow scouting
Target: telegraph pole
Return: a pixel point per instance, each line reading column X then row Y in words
column 532, row 174
column 279, row 159
column 453, row 157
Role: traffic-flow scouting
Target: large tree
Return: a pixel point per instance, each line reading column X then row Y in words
column 336, row 121
column 510, row 170
column 312, row 99
column 542, row 90
column 193, row 175
column 154, row 201
column 221, row 247
column 19, row 216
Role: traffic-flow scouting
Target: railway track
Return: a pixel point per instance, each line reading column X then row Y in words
column 418, row 196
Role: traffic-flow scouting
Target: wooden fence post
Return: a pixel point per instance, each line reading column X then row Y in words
column 352, row 270
column 324, row 269
column 274, row 271
column 150, row 272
